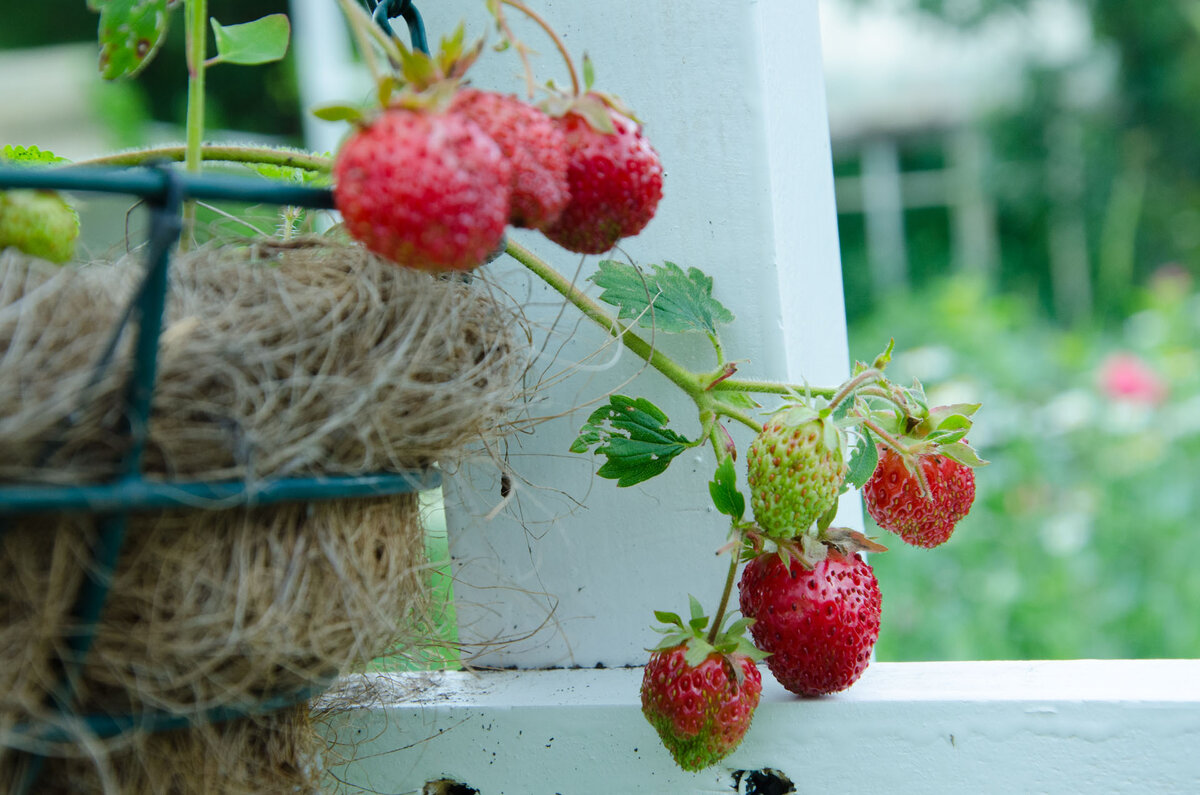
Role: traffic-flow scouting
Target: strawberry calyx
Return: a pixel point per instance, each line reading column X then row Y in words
column 596, row 107
column 730, row 640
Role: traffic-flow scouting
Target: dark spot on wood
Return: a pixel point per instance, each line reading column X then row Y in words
column 447, row 787
column 762, row 782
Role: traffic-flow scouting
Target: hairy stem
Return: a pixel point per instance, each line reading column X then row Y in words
column 865, row 377
column 196, row 34
column 678, row 375
column 551, row 32
column 771, row 388
column 256, row 155
column 719, row 617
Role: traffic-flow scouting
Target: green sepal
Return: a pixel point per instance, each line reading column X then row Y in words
column 724, row 492
column 668, row 618
column 339, row 112
column 264, row 40
column 589, row 73
column 885, row 358
column 736, row 400
column 963, row 453
column 665, row 298
column 696, row 651
column 632, row 434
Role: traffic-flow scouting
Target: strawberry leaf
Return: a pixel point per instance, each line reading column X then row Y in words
column 130, row 34
column 262, row 41
column 863, row 460
column 28, row 155
column 666, row 298
column 632, row 434
column 723, row 489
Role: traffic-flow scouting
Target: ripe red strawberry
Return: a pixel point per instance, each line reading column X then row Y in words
column 795, row 468
column 427, row 190
column 535, row 146
column 701, row 712
column 615, row 180
column 894, row 500
column 819, row 626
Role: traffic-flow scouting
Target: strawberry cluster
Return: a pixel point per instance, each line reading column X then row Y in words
column 809, row 599
column 433, row 178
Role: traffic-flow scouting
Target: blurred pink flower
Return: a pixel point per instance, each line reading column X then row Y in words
column 1126, row 376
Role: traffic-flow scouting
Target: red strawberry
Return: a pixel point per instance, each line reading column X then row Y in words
column 701, row 712
column 615, row 180
column 818, row 625
column 427, row 190
column 534, row 145
column 894, row 500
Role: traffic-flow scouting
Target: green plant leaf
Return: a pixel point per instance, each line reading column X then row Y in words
column 29, row 155
column 338, row 112
column 632, row 434
column 723, row 489
column 666, row 298
column 863, row 460
column 130, row 34
column 262, row 41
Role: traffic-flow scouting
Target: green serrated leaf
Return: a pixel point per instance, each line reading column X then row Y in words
column 632, row 434
column 29, row 155
column 863, row 460
column 724, row 492
column 130, row 34
column 666, row 298
column 264, row 40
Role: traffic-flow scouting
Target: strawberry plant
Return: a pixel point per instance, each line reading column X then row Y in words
column 811, row 605
column 431, row 175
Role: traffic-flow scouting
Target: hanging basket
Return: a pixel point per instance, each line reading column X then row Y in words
column 207, row 496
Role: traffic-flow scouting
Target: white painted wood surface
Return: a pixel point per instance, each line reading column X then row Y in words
column 731, row 95
column 984, row 727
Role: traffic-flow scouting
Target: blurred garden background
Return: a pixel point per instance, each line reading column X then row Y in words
column 1018, row 185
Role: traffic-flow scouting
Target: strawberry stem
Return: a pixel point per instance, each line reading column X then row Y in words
column 251, row 155
column 865, row 377
column 551, row 32
column 719, row 618
column 196, row 35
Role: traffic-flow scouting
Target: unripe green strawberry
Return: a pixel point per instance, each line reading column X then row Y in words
column 796, row 467
column 39, row 223
column 894, row 500
column 818, row 625
column 700, row 712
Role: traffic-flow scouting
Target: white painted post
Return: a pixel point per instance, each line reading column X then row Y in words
column 731, row 95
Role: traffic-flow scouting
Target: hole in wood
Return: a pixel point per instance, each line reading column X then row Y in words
column 762, row 782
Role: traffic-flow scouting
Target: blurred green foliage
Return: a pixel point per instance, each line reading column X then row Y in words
column 262, row 99
column 1078, row 543
column 1139, row 201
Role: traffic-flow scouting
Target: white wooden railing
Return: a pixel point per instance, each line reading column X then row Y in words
column 566, row 576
